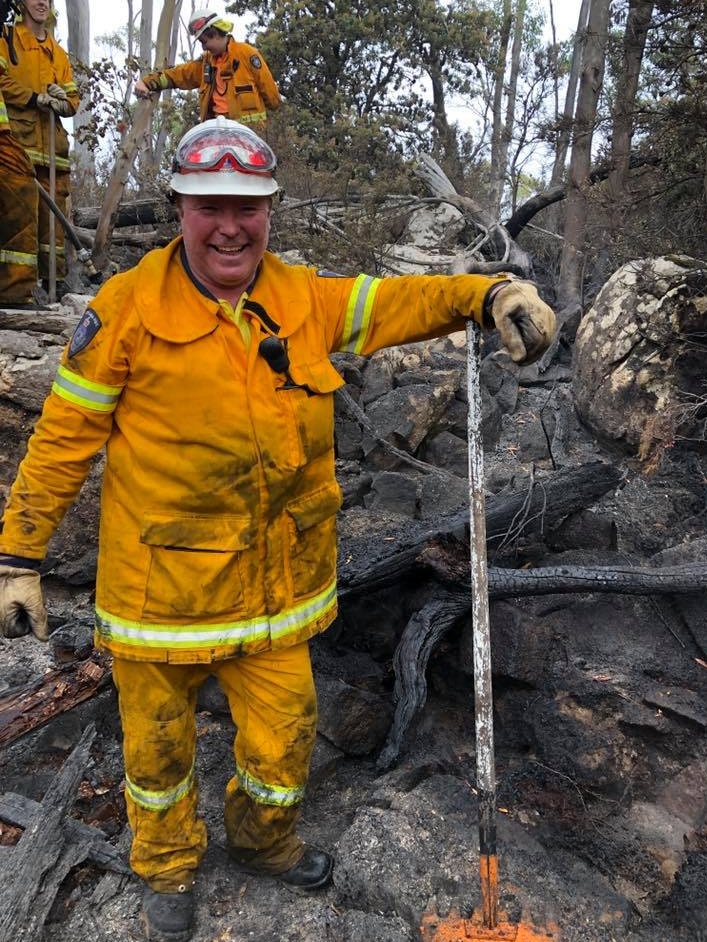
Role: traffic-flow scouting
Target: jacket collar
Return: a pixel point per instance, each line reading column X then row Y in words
column 170, row 303
column 173, row 305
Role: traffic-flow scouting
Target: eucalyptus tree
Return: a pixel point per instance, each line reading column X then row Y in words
column 387, row 68
column 78, row 18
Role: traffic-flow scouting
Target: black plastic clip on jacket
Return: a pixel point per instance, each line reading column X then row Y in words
column 274, row 352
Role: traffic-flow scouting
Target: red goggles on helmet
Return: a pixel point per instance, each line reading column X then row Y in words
column 196, row 26
column 225, row 148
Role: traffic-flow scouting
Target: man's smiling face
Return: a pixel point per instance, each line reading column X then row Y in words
column 225, row 238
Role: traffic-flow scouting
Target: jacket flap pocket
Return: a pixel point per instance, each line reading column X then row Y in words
column 315, row 507
column 320, row 376
column 197, row 532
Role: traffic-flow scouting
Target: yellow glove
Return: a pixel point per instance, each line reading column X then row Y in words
column 22, row 604
column 56, row 91
column 526, row 324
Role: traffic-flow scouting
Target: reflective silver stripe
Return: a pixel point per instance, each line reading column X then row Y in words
column 37, row 157
column 138, row 634
column 18, row 258
column 265, row 794
column 84, row 392
column 44, row 248
column 253, row 118
column 358, row 313
column 160, row 800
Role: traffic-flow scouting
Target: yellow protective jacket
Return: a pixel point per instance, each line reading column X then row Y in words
column 217, row 533
column 251, row 90
column 38, row 64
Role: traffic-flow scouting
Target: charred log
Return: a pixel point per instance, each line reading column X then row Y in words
column 20, row 811
column 509, row 518
column 43, row 857
column 450, row 564
column 136, row 213
column 32, row 705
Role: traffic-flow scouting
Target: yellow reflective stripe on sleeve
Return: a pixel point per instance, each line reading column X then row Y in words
column 160, row 800
column 198, row 635
column 41, row 159
column 3, row 63
column 164, row 81
column 84, row 392
column 44, row 247
column 253, row 118
column 266, row 794
column 3, row 113
column 18, row 258
column 70, row 87
column 358, row 313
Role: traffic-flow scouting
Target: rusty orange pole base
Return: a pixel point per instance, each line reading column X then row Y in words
column 454, row 928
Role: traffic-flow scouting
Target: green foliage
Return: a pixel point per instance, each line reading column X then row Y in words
column 666, row 199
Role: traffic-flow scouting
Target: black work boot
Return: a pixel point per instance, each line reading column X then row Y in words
column 168, row 917
column 311, row 872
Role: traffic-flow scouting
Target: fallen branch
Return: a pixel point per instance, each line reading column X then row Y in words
column 32, row 705
column 42, row 858
column 20, row 811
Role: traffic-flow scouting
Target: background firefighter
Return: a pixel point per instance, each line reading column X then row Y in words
column 232, row 77
column 18, row 215
column 39, row 89
column 205, row 372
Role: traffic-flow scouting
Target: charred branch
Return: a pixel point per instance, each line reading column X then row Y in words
column 28, row 707
column 509, row 519
column 43, row 856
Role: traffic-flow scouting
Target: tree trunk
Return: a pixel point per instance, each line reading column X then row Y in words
column 132, row 142
column 498, row 172
column 572, row 262
column 637, row 25
column 563, row 138
column 512, row 91
column 78, row 18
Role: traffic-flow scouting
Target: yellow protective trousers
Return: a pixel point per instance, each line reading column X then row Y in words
column 273, row 703
column 18, row 222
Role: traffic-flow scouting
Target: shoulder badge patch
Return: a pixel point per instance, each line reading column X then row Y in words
column 256, row 62
column 324, row 273
column 85, row 331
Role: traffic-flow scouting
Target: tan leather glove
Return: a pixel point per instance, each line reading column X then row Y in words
column 63, row 108
column 56, row 91
column 44, row 101
column 22, row 604
column 526, row 324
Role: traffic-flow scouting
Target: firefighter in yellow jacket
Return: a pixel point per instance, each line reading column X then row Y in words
column 39, row 90
column 18, row 214
column 232, row 77
column 205, row 372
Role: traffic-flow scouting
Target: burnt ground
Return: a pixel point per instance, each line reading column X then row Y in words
column 601, row 755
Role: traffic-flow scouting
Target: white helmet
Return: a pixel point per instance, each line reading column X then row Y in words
column 223, row 157
column 201, row 20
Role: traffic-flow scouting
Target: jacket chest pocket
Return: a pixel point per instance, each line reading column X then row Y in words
column 195, row 564
column 312, row 405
